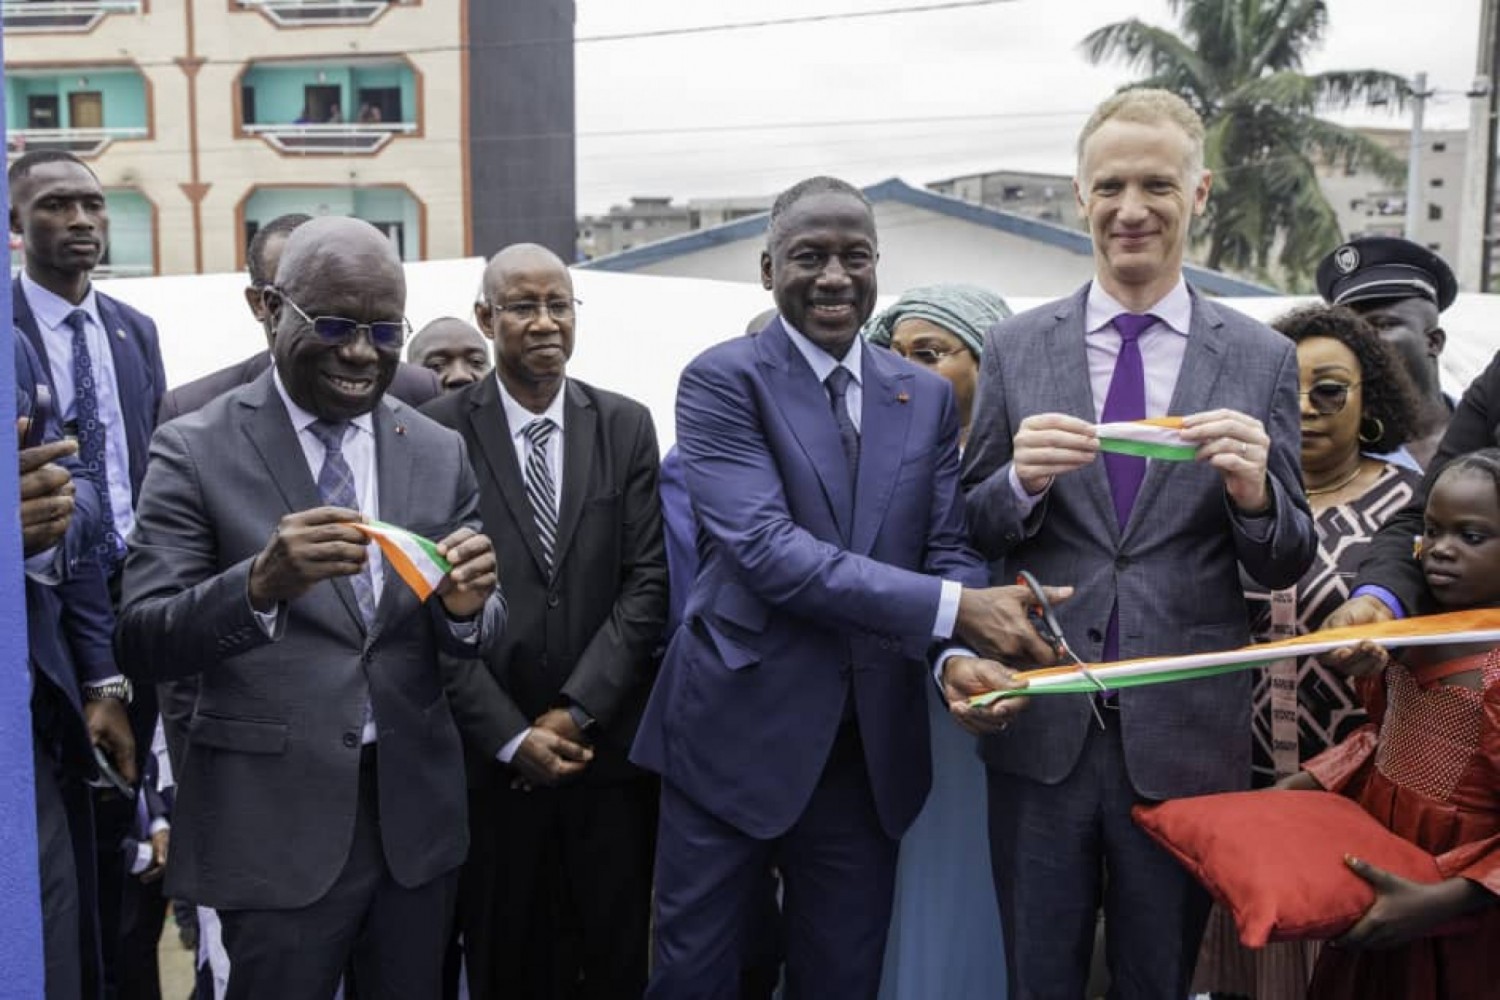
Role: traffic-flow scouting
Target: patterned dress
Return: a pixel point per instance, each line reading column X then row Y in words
column 1300, row 709
column 1428, row 767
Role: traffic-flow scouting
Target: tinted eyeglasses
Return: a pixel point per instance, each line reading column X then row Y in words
column 1328, row 398
column 928, row 356
column 339, row 330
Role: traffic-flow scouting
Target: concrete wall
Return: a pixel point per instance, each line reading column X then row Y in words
column 920, row 247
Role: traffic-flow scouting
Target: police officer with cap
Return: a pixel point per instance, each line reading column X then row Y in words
column 1400, row 287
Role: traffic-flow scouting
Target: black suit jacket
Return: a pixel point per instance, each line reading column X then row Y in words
column 414, row 386
column 586, row 632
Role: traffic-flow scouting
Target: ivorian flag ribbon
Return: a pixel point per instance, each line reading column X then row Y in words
column 1157, row 437
column 1482, row 625
column 414, row 558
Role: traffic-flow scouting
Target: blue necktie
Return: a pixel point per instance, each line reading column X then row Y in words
column 837, row 383
column 336, row 484
column 91, row 437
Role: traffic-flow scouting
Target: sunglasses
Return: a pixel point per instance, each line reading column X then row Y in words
column 1328, row 398
column 928, row 356
column 340, row 330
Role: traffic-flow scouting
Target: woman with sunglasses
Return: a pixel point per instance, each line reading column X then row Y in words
column 1357, row 401
column 945, row 927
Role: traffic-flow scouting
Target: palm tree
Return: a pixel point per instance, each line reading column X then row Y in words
column 1239, row 64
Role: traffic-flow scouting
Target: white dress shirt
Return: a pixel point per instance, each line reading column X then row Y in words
column 51, row 312
column 517, row 417
column 822, row 364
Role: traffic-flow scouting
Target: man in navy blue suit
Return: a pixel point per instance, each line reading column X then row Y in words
column 101, row 365
column 789, row 722
column 69, row 627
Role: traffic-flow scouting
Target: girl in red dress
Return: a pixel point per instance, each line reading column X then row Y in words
column 1428, row 767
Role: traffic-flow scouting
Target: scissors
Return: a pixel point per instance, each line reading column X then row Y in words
column 1044, row 619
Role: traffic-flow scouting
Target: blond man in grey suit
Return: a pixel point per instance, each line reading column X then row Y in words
column 1153, row 550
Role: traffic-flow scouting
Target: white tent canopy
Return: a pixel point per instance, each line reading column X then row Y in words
column 635, row 332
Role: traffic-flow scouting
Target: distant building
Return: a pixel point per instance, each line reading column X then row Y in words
column 648, row 219
column 925, row 237
column 206, row 118
column 1048, row 197
column 1368, row 206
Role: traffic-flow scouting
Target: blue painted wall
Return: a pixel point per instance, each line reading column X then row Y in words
column 20, row 893
column 280, row 98
column 129, row 229
column 371, row 204
column 124, row 96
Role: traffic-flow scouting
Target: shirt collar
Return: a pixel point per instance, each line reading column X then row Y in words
column 517, row 416
column 1175, row 309
column 822, row 362
column 50, row 309
column 302, row 419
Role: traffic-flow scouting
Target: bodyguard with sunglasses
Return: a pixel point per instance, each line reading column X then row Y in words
column 320, row 805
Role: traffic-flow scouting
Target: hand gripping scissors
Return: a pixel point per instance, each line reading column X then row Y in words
column 1044, row 619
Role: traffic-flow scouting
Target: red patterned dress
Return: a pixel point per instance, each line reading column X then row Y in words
column 1428, row 767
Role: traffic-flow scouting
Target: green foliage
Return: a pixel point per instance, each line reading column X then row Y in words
column 1239, row 64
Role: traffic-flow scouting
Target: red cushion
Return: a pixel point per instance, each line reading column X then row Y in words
column 1275, row 859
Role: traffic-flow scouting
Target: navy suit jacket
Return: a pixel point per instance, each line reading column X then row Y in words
column 138, row 369
column 806, row 583
column 69, row 624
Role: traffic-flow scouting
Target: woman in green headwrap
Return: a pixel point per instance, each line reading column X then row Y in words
column 942, row 327
column 944, row 938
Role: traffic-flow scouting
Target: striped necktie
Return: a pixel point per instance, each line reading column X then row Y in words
column 541, row 490
column 336, row 484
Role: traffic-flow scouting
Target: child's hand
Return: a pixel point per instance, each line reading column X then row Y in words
column 1405, row 910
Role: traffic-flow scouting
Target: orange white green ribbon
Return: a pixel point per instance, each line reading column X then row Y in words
column 1157, row 437
column 414, row 558
column 1476, row 626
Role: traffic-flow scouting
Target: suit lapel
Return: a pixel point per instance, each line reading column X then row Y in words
column 1067, row 358
column 393, row 464
column 486, row 416
column 133, row 381
column 580, row 421
column 269, row 429
column 804, row 403
column 884, row 422
column 26, row 320
column 1202, row 364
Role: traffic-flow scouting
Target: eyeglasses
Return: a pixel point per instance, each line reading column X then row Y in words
column 561, row 310
column 1328, row 398
column 340, row 330
column 928, row 356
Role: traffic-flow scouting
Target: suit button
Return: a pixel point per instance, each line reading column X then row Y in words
column 1095, row 635
column 1122, row 562
column 553, row 601
column 351, row 740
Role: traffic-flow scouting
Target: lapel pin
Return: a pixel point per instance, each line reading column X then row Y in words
column 401, row 430
column 120, row 333
column 902, row 397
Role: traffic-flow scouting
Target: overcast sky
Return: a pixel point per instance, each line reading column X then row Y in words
column 944, row 92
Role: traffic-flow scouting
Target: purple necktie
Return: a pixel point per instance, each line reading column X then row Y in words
column 1126, row 401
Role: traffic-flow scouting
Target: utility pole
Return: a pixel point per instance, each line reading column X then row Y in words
column 1414, row 199
column 1476, row 215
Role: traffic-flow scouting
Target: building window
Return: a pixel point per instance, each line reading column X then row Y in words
column 1434, row 213
column 1437, row 182
column 1440, row 147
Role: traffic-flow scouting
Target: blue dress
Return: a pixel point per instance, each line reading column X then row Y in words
column 945, row 922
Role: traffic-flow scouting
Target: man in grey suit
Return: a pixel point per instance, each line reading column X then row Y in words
column 321, row 803
column 1154, row 550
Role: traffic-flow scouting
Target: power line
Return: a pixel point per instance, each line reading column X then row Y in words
column 785, row 21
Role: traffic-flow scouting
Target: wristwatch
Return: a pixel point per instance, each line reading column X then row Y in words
column 118, row 687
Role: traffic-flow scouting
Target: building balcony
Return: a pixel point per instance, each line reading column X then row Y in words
column 315, row 107
column 304, row 13
column 390, row 208
column 353, row 139
column 84, row 142
column 38, row 16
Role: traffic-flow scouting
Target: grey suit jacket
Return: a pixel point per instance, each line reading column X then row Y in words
column 267, row 795
column 1174, row 569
